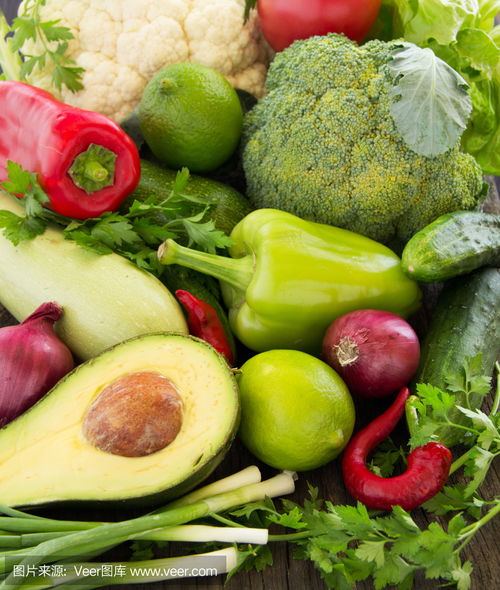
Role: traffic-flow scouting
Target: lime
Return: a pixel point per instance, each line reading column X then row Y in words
column 297, row 413
column 191, row 116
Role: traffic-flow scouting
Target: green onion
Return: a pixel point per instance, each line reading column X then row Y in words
column 103, row 536
column 153, row 570
column 244, row 477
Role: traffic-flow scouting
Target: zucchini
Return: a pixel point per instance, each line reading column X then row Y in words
column 228, row 206
column 453, row 244
column 106, row 299
column 465, row 324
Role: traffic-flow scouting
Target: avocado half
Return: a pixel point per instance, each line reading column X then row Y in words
column 144, row 422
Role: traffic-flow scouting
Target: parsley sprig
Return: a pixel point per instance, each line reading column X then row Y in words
column 21, row 182
column 135, row 233
column 52, row 41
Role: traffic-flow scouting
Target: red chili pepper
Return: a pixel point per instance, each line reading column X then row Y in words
column 427, row 471
column 84, row 161
column 204, row 323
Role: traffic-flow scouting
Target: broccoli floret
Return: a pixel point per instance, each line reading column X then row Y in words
column 323, row 145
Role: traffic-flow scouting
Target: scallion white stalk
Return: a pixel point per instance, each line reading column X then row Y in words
column 232, row 482
column 279, row 485
column 197, row 533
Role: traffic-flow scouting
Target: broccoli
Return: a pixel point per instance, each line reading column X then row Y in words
column 323, row 145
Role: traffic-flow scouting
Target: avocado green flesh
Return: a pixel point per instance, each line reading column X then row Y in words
column 44, row 456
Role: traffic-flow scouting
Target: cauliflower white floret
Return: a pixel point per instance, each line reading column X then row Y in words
column 123, row 43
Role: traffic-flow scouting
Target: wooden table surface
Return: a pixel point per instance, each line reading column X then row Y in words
column 291, row 574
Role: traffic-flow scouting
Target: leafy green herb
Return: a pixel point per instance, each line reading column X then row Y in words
column 436, row 409
column 385, row 458
column 23, row 183
column 135, row 234
column 431, row 104
column 52, row 40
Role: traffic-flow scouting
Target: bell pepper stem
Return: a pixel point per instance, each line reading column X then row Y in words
column 237, row 272
column 93, row 169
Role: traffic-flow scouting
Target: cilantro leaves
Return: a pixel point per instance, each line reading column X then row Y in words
column 135, row 233
column 51, row 42
column 22, row 182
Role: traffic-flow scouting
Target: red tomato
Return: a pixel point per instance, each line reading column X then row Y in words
column 284, row 21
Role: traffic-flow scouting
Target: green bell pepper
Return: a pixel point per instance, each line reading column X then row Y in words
column 287, row 279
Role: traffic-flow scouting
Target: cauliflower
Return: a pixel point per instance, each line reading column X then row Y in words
column 323, row 145
column 123, row 43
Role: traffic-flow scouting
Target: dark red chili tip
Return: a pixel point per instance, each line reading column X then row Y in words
column 204, row 323
column 427, row 471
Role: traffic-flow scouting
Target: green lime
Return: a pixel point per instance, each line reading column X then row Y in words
column 191, row 116
column 296, row 412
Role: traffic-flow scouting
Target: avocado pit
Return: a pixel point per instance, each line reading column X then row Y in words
column 135, row 415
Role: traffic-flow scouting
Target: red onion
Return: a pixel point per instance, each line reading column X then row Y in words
column 375, row 352
column 32, row 360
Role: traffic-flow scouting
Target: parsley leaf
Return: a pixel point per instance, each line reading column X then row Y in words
column 24, row 184
column 135, row 234
column 439, row 411
column 18, row 229
column 385, row 458
column 205, row 235
column 50, row 40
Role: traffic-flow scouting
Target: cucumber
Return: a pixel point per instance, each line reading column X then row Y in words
column 465, row 324
column 106, row 299
column 228, row 205
column 453, row 244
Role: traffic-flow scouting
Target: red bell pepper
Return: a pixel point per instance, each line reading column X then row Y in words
column 84, row 161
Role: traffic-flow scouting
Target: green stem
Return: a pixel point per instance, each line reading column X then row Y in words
column 225, row 521
column 4, row 509
column 291, row 536
column 469, row 531
column 411, row 415
column 27, row 540
column 43, row 525
column 461, row 460
column 496, row 400
column 237, row 272
column 93, row 169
